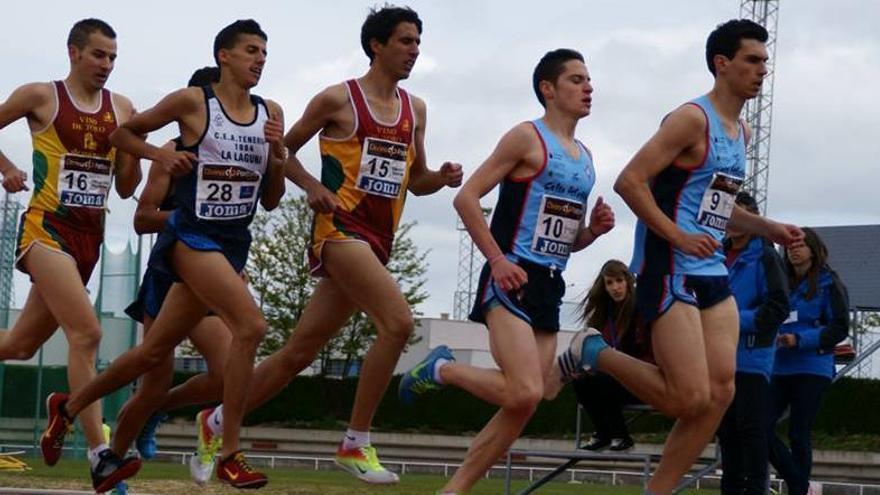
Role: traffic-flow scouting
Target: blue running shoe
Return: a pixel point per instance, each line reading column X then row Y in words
column 120, row 489
column 146, row 441
column 420, row 379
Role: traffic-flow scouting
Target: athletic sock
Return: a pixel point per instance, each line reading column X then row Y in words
column 437, row 365
column 354, row 439
column 215, row 420
column 95, row 454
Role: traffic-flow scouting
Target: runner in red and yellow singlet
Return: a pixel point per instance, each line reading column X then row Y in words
column 60, row 234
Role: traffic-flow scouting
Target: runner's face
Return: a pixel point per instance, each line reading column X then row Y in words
column 94, row 62
column 246, row 59
column 748, row 68
column 399, row 54
column 573, row 91
column 616, row 287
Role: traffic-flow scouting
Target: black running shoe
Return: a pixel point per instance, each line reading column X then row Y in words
column 112, row 469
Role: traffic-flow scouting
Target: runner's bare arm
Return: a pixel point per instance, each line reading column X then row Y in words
column 781, row 233
column 23, row 102
column 512, row 150
column 317, row 115
column 680, row 132
column 127, row 168
column 601, row 222
column 128, row 136
column 423, row 181
column 274, row 130
column 148, row 218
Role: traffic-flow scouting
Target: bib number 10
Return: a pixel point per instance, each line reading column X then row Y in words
column 553, row 227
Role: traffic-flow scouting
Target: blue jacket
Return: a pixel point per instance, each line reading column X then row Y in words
column 819, row 323
column 759, row 285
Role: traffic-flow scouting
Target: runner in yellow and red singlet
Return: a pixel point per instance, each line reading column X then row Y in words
column 60, row 234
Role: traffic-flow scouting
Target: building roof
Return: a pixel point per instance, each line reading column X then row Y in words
column 854, row 253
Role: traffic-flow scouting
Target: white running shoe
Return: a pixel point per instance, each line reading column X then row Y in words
column 200, row 471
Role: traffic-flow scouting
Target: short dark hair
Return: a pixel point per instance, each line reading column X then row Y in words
column 550, row 67
column 380, row 24
column 725, row 39
column 748, row 202
column 79, row 33
column 228, row 36
column 204, row 76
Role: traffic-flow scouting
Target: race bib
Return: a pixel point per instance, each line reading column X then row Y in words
column 383, row 167
column 84, row 181
column 792, row 317
column 718, row 200
column 557, row 226
column 226, row 192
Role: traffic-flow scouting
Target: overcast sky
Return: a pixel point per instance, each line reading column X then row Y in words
column 474, row 72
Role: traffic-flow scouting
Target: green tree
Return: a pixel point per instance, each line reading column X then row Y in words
column 279, row 275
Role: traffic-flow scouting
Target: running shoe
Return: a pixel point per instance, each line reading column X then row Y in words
column 146, row 441
column 238, row 473
column 209, row 445
column 364, row 464
column 111, row 470
column 59, row 425
column 420, row 379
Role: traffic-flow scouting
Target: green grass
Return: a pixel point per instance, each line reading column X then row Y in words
column 173, row 479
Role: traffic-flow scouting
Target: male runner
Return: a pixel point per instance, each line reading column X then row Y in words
column 60, row 234
column 372, row 149
column 210, row 336
column 230, row 156
column 682, row 185
column 546, row 176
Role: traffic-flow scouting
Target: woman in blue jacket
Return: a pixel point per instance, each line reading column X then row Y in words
column 759, row 285
column 804, row 366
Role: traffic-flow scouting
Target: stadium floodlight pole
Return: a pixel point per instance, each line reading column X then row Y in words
column 759, row 110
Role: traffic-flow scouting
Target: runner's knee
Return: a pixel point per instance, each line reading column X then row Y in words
column 722, row 394
column 252, row 332
column 524, row 398
column 85, row 339
column 397, row 328
column 150, row 356
column 690, row 400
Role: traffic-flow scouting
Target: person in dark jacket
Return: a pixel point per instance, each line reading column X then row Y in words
column 804, row 365
column 610, row 307
column 760, row 287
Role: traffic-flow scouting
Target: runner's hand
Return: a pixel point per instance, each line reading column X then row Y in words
column 601, row 218
column 508, row 275
column 274, row 134
column 784, row 234
column 177, row 163
column 452, row 174
column 320, row 199
column 14, row 181
column 699, row 245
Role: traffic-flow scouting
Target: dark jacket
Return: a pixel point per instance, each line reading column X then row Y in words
column 760, row 287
